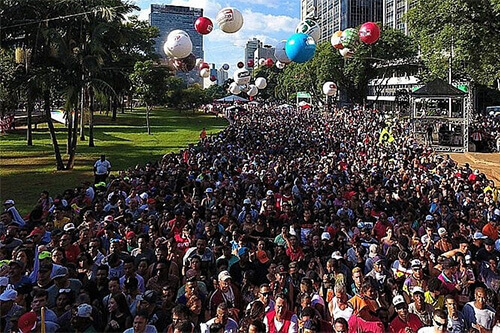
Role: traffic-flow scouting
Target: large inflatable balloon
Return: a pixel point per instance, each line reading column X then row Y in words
column 309, row 27
column 185, row 64
column 234, row 88
column 349, row 38
column 178, row 46
column 225, row 67
column 199, row 61
column 346, row 53
column 280, row 65
column 269, row 62
column 262, row 62
column 203, row 25
column 204, row 65
column 250, row 63
column 329, row 88
column 369, row 32
column 177, row 32
column 241, row 76
column 260, row 82
column 205, row 72
column 229, row 20
column 280, row 54
column 252, row 90
column 337, row 40
column 240, row 64
column 213, row 78
column 300, row 47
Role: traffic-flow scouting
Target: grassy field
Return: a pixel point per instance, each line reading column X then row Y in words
column 27, row 170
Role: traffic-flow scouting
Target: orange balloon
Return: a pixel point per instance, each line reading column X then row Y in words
column 336, row 41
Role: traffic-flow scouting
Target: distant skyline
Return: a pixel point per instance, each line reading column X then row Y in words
column 268, row 20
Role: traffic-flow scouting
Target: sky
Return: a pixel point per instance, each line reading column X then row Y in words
column 268, row 20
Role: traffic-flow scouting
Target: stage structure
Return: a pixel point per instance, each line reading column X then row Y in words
column 440, row 115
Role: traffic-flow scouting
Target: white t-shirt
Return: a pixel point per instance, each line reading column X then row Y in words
column 102, row 167
column 426, row 329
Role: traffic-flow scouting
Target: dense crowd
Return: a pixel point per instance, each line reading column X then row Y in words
column 286, row 221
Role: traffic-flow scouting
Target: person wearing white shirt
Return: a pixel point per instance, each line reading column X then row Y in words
column 221, row 318
column 439, row 323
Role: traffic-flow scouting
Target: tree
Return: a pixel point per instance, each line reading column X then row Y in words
column 214, row 92
column 150, row 85
column 465, row 29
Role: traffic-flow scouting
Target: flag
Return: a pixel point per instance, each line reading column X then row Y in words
column 385, row 136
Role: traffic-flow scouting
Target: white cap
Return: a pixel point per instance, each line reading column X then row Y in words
column 68, row 227
column 84, row 311
column 224, row 275
column 144, row 196
column 8, row 295
column 247, row 201
column 9, row 202
column 373, row 250
column 337, row 255
column 468, row 259
column 442, row 232
column 417, row 289
column 429, row 218
column 325, row 236
column 479, row 235
column 398, row 299
column 209, row 190
column 269, row 192
column 416, row 263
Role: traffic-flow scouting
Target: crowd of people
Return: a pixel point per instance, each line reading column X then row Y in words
column 286, row 221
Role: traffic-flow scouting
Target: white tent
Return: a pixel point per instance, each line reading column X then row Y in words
column 232, row 98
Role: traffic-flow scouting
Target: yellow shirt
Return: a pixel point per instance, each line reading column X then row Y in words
column 494, row 192
column 437, row 303
column 59, row 224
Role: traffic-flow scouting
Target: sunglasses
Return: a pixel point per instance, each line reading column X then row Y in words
column 439, row 325
column 265, row 294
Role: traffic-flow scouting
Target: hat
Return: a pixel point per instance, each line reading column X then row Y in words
column 325, row 236
column 398, row 300
column 262, row 256
column 60, row 272
column 36, row 231
column 442, row 232
column 4, row 281
column 109, row 218
column 8, row 295
column 417, row 289
column 68, row 227
column 130, row 235
column 247, row 201
column 151, row 201
column 468, row 259
column 16, row 262
column 373, row 250
column 281, row 269
column 337, row 255
column 377, row 259
column 191, row 273
column 429, row 218
column 149, row 296
column 476, row 172
column 44, row 255
column 416, row 263
column 479, row 235
column 84, row 311
column 144, row 196
column 209, row 190
column 242, row 251
column 27, row 322
column 489, row 241
column 224, row 275
column 9, row 202
column 269, row 192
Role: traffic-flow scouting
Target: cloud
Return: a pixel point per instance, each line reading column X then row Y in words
column 266, row 3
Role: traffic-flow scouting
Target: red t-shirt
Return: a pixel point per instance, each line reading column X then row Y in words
column 399, row 326
column 72, row 253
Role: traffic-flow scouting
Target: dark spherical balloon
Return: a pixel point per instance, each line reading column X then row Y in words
column 213, row 78
column 250, row 63
column 269, row 63
column 241, row 64
column 185, row 64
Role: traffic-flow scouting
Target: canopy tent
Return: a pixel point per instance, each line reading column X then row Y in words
column 438, row 89
column 232, row 98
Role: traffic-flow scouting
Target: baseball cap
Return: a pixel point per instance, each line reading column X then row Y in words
column 44, row 255
column 337, row 255
column 144, row 196
column 60, row 272
column 8, row 295
column 84, row 310
column 247, row 201
column 149, row 296
column 130, row 235
column 109, row 218
column 242, row 251
column 269, row 192
column 442, row 232
column 377, row 259
column 417, row 289
column 325, row 236
column 27, row 322
column 479, row 235
column 9, row 202
column 36, row 231
column 224, row 275
column 429, row 218
column 209, row 190
column 398, row 300
column 416, row 263
column 4, row 281
column 281, row 269
column 69, row 226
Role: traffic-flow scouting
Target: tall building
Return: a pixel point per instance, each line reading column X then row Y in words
column 393, row 12
column 266, row 51
column 222, row 76
column 334, row 15
column 250, row 48
column 167, row 18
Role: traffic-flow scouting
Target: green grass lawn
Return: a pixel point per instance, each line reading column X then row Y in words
column 27, row 170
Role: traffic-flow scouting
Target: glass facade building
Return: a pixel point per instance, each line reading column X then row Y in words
column 250, row 48
column 393, row 12
column 168, row 18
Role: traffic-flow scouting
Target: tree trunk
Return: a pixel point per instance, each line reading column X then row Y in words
column 29, row 109
column 130, row 101
column 52, row 131
column 72, row 152
column 115, row 107
column 148, row 125
column 91, row 119
column 69, row 124
column 82, row 112
column 122, row 107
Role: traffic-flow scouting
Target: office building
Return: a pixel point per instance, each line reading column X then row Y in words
column 167, row 18
column 222, row 76
column 250, row 48
column 334, row 15
column 394, row 11
column 264, row 52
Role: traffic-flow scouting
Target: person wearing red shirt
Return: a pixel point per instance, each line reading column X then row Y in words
column 176, row 224
column 294, row 251
column 404, row 320
column 184, row 239
column 71, row 250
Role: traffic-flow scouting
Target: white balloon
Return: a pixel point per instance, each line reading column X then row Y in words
column 205, row 72
column 260, row 83
column 252, row 90
column 346, row 53
column 234, row 88
column 280, row 54
column 178, row 46
column 225, row 67
column 262, row 62
column 177, row 32
column 229, row 20
column 244, row 87
column 241, row 76
column 280, row 65
column 198, row 62
column 329, row 88
column 309, row 27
